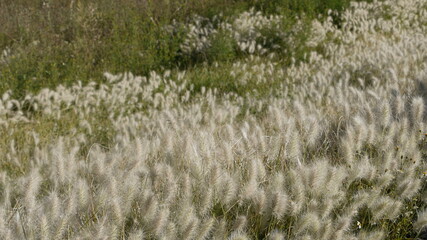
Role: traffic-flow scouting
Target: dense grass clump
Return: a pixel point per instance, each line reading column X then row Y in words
column 243, row 125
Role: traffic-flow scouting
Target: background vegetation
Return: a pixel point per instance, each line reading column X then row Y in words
column 58, row 42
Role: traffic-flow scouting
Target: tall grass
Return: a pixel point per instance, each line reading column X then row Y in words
column 247, row 146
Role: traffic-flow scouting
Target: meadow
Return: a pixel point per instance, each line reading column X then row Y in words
column 213, row 119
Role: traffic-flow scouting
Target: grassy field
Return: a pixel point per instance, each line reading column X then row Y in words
column 213, row 119
column 59, row 42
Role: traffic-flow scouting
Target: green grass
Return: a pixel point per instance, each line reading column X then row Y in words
column 60, row 42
